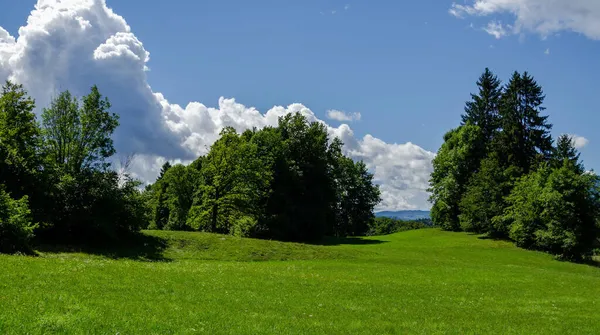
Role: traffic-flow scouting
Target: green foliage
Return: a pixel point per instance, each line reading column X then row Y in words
column 385, row 226
column 453, row 166
column 303, row 193
column 484, row 198
column 525, row 137
column 87, row 202
column 482, row 110
column 234, row 179
column 511, row 182
column 16, row 228
column 19, row 141
column 181, row 183
column 355, row 193
column 555, row 210
column 77, row 136
column 288, row 182
column 565, row 150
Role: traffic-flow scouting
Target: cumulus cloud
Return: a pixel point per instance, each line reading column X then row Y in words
column 579, row 141
column 74, row 44
column 337, row 115
column 543, row 17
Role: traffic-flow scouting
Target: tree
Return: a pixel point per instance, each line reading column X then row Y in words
column 79, row 137
column 525, row 138
column 287, row 182
column 555, row 210
column 19, row 141
column 233, row 180
column 164, row 170
column 181, row 186
column 356, row 196
column 565, row 150
column 303, row 189
column 457, row 160
column 91, row 202
column 158, row 199
column 484, row 199
column 482, row 110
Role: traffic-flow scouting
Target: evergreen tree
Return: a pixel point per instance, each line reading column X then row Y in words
column 525, row 138
column 566, row 151
column 482, row 110
column 164, row 170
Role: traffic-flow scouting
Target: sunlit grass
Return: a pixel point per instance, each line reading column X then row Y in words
column 424, row 281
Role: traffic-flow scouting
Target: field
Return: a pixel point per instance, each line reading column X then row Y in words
column 424, row 281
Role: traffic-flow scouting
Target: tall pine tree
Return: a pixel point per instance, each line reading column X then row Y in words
column 525, row 134
column 482, row 110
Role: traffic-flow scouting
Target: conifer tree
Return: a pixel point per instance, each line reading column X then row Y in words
column 482, row 110
column 565, row 150
column 525, row 134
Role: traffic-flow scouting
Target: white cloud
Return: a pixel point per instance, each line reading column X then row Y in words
column 579, row 141
column 543, row 17
column 547, row 52
column 496, row 29
column 74, row 44
column 337, row 115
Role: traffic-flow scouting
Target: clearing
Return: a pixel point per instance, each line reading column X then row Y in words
column 423, row 281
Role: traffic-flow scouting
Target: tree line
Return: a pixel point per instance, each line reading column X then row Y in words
column 290, row 182
column 59, row 186
column 502, row 174
column 56, row 181
column 386, row 225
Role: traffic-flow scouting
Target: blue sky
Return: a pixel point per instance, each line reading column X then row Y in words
column 406, row 67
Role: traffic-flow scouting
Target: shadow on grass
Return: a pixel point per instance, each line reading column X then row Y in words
column 347, row 241
column 595, row 262
column 137, row 247
column 491, row 238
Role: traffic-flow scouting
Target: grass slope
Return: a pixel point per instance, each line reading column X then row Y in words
column 424, row 281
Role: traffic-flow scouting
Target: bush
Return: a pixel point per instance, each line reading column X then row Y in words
column 16, row 228
column 95, row 207
column 243, row 226
column 555, row 210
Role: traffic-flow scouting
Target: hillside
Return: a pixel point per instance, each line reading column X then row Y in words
column 424, row 281
column 404, row 215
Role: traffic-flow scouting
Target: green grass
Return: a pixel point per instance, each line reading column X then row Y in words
column 424, row 281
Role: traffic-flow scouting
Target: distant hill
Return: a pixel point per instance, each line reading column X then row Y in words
column 404, row 215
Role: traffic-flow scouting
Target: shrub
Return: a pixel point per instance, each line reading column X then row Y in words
column 16, row 228
column 555, row 210
column 95, row 207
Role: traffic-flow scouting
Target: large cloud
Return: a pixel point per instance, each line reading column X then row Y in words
column 73, row 44
column 544, row 17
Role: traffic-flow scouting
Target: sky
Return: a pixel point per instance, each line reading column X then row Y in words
column 387, row 77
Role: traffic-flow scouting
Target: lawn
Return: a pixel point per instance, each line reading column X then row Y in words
column 424, row 281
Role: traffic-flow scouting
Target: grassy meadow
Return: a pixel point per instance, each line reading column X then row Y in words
column 423, row 281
